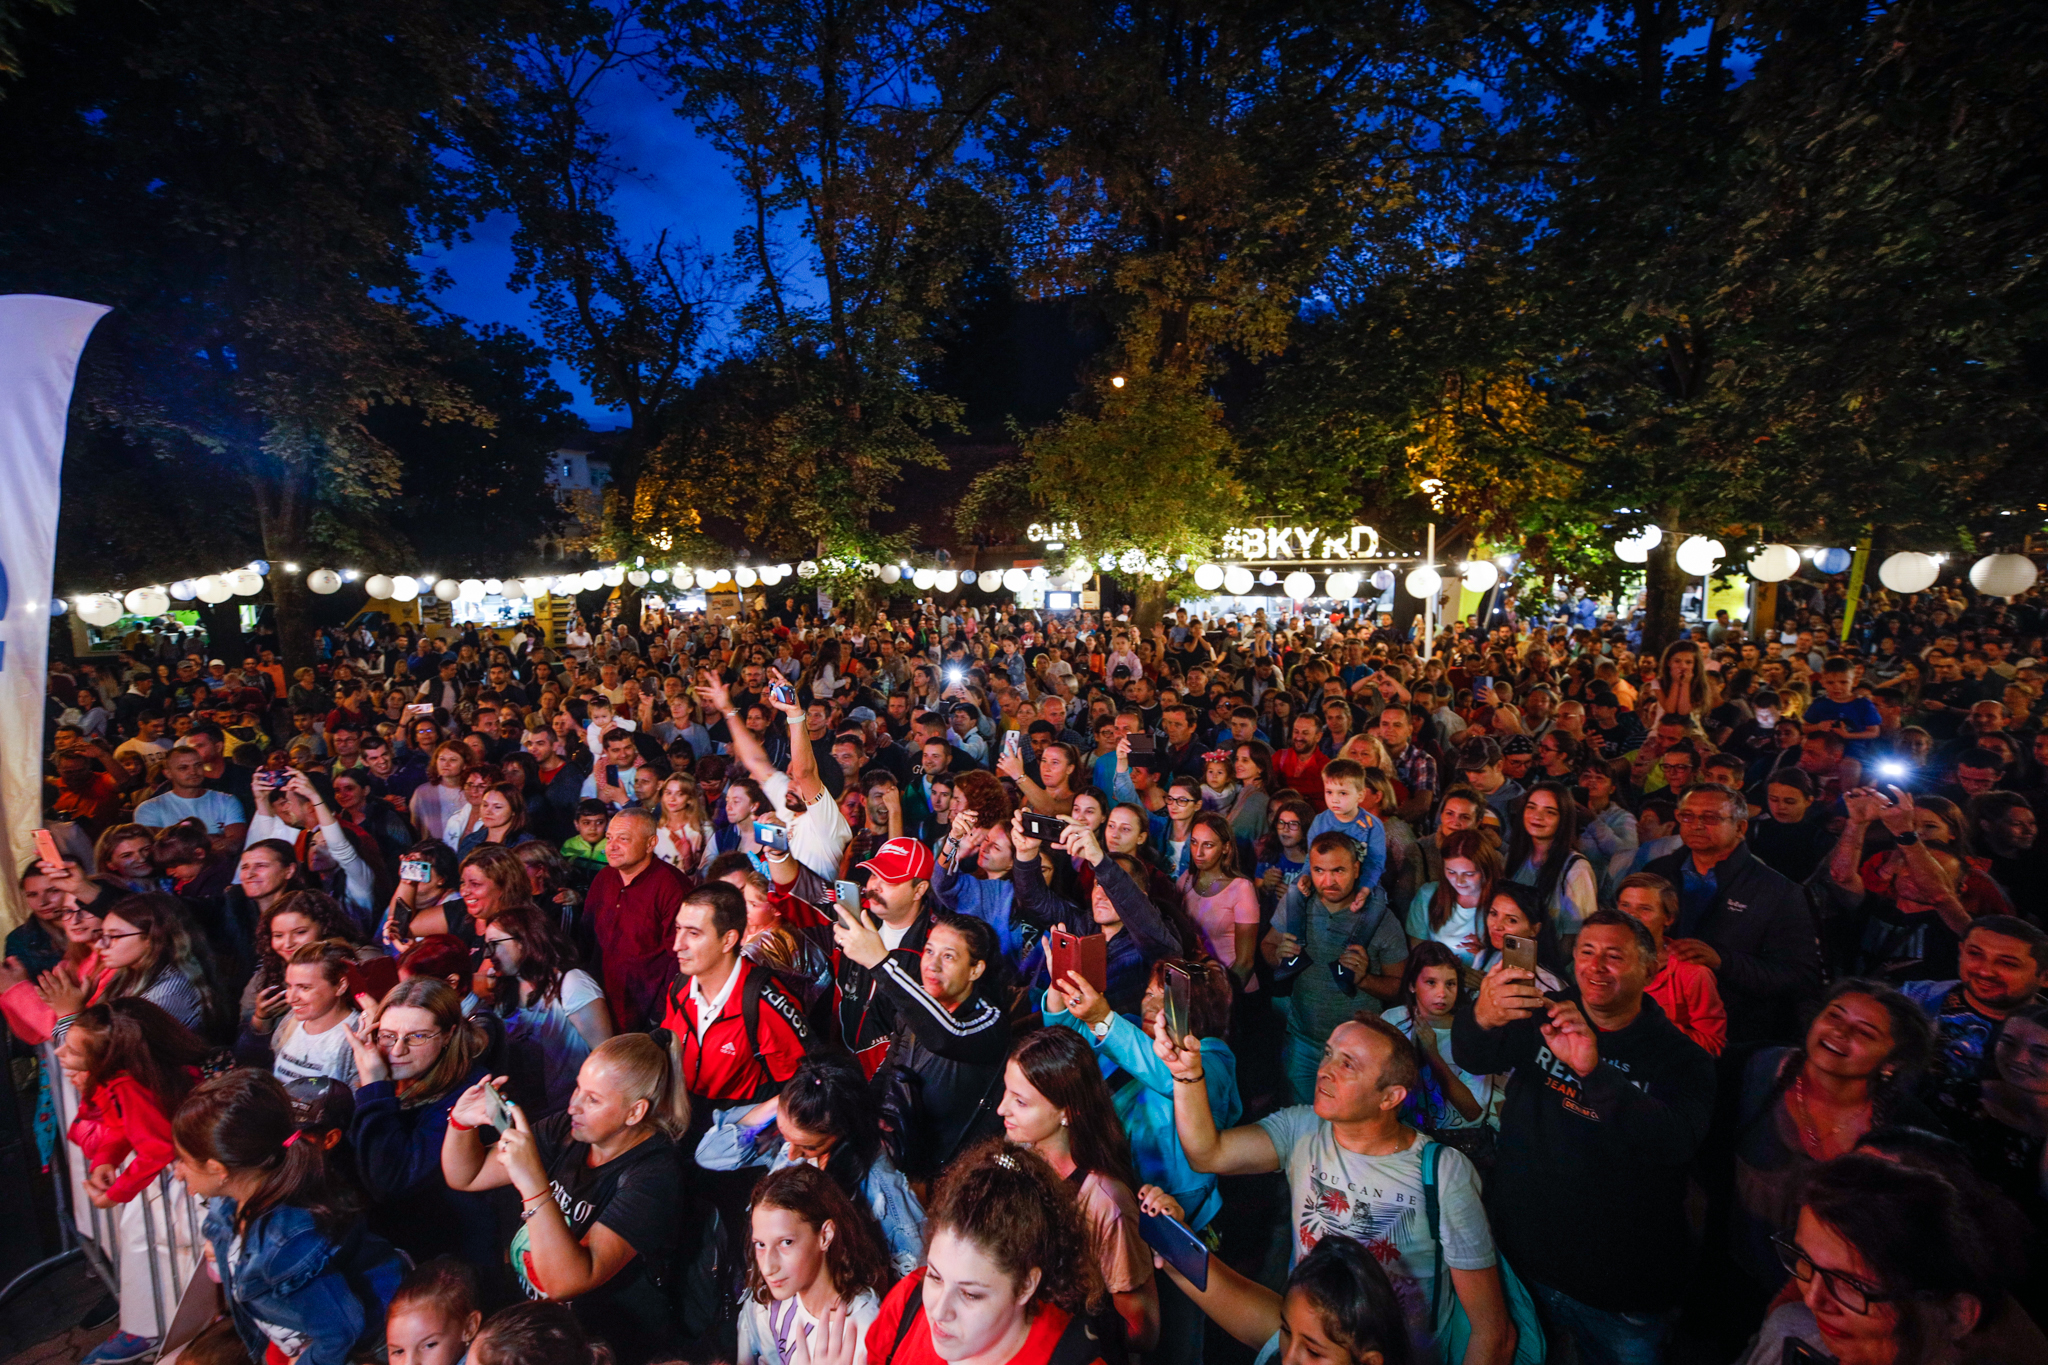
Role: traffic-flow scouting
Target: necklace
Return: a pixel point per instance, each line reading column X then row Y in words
column 1814, row 1139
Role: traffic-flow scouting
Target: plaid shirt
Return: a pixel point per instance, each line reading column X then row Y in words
column 1416, row 769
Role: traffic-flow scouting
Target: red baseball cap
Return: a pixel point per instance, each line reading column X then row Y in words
column 902, row 859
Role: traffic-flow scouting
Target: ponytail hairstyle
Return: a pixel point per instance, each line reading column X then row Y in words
column 1352, row 1296
column 1008, row 1202
column 856, row 1259
column 648, row 1068
column 245, row 1121
column 828, row 1095
column 537, row 1333
column 1061, row 1066
column 140, row 1039
column 333, row 956
column 459, row 1055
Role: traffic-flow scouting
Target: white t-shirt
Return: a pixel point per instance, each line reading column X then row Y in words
column 774, row 1333
column 297, row 1054
column 1379, row 1201
column 217, row 809
column 1488, row 1091
column 561, row 1047
column 817, row 837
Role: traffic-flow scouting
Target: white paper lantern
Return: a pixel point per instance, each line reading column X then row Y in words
column 470, row 590
column 807, row 569
column 323, row 581
column 593, row 580
column 1016, row 580
column 533, row 587
column 1908, row 571
column 259, row 567
column 146, row 602
column 770, row 575
column 702, row 578
column 1341, row 584
column 1300, row 586
column 745, row 576
column 637, row 577
column 1382, row 579
column 968, row 576
column 992, row 580
column 1267, row 578
column 1208, row 577
column 1039, row 576
column 447, row 590
column 1774, row 563
column 404, row 587
column 1479, row 574
column 99, row 610
column 184, row 590
column 1700, row 556
column 945, row 580
column 890, row 573
column 1237, row 580
column 1834, row 559
column 658, row 575
column 212, row 588
column 245, row 582
column 1423, row 580
column 2003, row 575
column 1636, row 549
column 495, row 587
column 613, row 577
column 923, row 579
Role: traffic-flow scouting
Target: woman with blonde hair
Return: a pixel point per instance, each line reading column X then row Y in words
column 684, row 837
column 599, row 1187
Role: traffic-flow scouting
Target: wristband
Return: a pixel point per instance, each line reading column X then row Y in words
column 459, row 1126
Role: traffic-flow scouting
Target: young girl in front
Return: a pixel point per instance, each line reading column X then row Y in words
column 433, row 1316
column 1458, row 1102
column 304, row 1280
column 812, row 1252
column 132, row 1064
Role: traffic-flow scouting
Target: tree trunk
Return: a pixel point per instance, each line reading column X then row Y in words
column 1150, row 608
column 283, row 510
column 223, row 622
column 1664, row 587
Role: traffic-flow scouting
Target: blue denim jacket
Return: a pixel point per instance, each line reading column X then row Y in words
column 292, row 1275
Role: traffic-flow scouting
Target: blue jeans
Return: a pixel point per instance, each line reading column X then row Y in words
column 1603, row 1337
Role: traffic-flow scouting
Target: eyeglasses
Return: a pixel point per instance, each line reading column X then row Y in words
column 104, row 937
column 1180, row 800
column 1852, row 1293
column 406, row 1042
column 494, row 942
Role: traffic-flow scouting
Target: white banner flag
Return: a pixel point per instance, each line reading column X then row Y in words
column 40, row 341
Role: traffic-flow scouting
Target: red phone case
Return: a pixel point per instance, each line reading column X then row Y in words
column 1087, row 954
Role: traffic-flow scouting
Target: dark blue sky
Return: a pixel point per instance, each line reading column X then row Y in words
column 680, row 183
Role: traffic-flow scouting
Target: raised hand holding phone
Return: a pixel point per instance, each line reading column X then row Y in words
column 858, row 936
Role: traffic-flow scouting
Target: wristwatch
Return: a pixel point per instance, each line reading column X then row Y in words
column 1101, row 1030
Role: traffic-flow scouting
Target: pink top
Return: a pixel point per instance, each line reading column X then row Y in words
column 1235, row 902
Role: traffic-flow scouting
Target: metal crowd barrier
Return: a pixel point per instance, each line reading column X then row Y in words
column 145, row 1252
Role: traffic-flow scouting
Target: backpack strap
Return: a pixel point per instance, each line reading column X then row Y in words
column 911, row 1312
column 1432, row 1212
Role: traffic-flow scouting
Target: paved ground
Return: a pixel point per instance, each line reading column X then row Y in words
column 40, row 1326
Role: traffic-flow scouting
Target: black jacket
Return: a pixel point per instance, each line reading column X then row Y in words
column 1588, row 1196
column 958, row 1056
column 1760, row 924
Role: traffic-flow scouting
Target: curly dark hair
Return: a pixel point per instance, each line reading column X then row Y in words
column 329, row 921
column 1008, row 1202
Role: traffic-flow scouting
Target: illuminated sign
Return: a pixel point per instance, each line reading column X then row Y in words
column 1255, row 544
column 1053, row 531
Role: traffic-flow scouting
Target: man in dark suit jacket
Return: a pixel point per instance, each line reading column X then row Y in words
column 1747, row 923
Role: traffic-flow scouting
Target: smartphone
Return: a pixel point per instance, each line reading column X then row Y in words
column 1087, row 954
column 415, row 870
column 1013, row 743
column 500, row 1112
column 1482, row 683
column 417, row 710
column 779, row 690
column 1046, row 827
column 771, row 836
column 1141, row 743
column 846, row 893
column 47, row 856
column 1177, row 1245
column 1796, row 1352
column 1179, row 989
column 1518, row 952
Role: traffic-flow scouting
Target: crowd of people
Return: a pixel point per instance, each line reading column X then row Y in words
column 983, row 986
